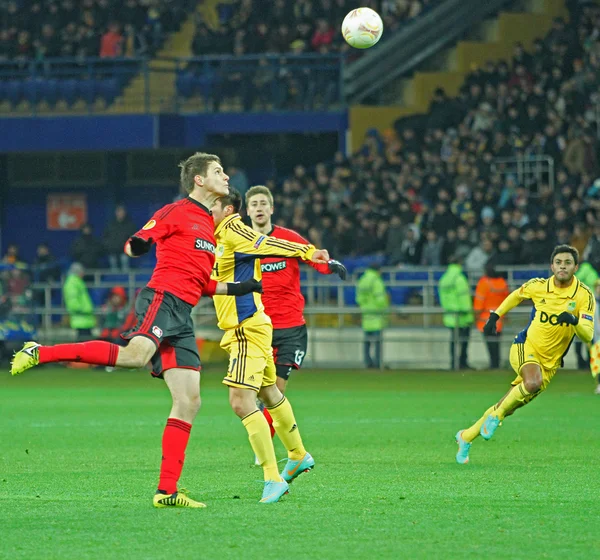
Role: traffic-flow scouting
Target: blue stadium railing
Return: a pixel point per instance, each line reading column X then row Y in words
column 272, row 81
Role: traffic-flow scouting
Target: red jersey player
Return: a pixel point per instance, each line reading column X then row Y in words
column 281, row 295
column 164, row 333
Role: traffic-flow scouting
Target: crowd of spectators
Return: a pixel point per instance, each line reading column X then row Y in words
column 429, row 189
column 273, row 29
column 302, row 26
column 39, row 29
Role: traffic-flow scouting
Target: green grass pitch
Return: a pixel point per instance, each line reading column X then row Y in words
column 80, row 452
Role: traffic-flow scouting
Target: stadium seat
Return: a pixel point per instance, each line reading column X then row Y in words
column 205, row 84
column 49, row 91
column 109, row 90
column 88, row 90
column 14, row 92
column 99, row 295
column 67, row 90
column 349, row 295
column 185, row 84
column 31, row 91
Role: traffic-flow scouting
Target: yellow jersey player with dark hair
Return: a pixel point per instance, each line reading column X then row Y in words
column 562, row 308
column 247, row 339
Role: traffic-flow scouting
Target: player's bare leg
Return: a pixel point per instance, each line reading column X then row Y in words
column 184, row 385
column 281, row 384
column 284, row 422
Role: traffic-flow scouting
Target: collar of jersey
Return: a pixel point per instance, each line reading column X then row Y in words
column 551, row 287
column 199, row 204
column 225, row 222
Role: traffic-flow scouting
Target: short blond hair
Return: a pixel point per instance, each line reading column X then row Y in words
column 259, row 189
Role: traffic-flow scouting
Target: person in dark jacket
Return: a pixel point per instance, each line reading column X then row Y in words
column 87, row 249
column 117, row 232
column 45, row 269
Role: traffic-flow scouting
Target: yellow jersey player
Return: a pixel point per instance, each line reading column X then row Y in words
column 247, row 339
column 562, row 308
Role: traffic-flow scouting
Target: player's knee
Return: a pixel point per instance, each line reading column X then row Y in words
column 533, row 383
column 188, row 403
column 242, row 402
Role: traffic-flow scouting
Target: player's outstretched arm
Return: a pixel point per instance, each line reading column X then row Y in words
column 245, row 240
column 214, row 288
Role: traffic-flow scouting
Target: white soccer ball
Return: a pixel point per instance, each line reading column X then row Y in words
column 362, row 28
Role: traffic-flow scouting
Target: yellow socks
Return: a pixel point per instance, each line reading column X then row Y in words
column 471, row 433
column 259, row 435
column 287, row 430
column 517, row 397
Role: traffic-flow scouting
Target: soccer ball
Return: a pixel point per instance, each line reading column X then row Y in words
column 362, row 28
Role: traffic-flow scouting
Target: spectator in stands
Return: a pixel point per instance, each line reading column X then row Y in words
column 455, row 299
column 504, row 256
column 479, row 256
column 12, row 256
column 78, row 302
column 238, row 180
column 410, row 249
column 45, row 269
column 491, row 291
column 395, row 236
column 87, row 249
column 463, row 242
column 592, row 249
column 17, row 288
column 117, row 232
column 373, row 300
column 114, row 313
column 45, row 266
column 111, row 44
column 431, row 254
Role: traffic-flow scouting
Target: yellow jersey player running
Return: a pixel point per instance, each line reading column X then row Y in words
column 247, row 339
column 562, row 308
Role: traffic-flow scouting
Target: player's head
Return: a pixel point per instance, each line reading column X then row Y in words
column 564, row 263
column 205, row 172
column 226, row 206
column 259, row 204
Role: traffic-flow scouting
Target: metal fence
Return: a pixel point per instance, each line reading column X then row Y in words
column 415, row 335
column 529, row 171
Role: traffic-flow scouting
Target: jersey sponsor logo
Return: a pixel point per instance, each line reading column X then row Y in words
column 259, row 241
column 204, row 245
column 157, row 331
column 150, row 224
column 586, row 316
column 552, row 319
column 273, row 267
column 572, row 305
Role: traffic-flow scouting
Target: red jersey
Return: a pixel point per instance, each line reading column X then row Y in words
column 281, row 295
column 185, row 248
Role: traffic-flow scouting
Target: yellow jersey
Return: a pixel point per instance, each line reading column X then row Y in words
column 550, row 339
column 238, row 253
